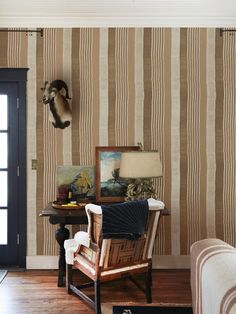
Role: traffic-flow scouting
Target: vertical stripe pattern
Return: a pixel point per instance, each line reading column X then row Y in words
column 229, row 142
column 31, row 147
column 139, row 92
column 67, row 77
column 103, row 79
column 175, row 141
column 210, row 135
column 173, row 90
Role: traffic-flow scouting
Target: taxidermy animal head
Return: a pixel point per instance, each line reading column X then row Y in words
column 61, row 114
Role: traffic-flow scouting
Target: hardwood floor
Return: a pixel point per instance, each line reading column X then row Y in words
column 37, row 292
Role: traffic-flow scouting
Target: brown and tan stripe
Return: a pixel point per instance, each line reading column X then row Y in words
column 103, row 92
column 121, row 83
column 59, row 74
column 175, row 141
column 157, row 113
column 53, row 53
column 111, row 87
column 49, row 153
column 76, row 96
column 40, row 144
column 166, row 156
column 161, row 121
column 229, row 146
column 96, row 94
column 183, row 141
column 202, row 231
column 67, row 77
column 147, row 70
column 14, row 49
column 210, row 135
column 86, row 97
column 219, row 135
column 3, row 49
column 31, row 146
column 24, row 49
column 131, row 86
column 138, row 81
column 193, row 136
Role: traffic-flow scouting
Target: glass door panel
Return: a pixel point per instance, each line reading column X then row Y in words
column 4, row 150
column 3, row 169
column 3, row 189
column 3, row 226
column 3, row 112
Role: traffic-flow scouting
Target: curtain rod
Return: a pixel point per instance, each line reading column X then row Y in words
column 39, row 31
column 222, row 30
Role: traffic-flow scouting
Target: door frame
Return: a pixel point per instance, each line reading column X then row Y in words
column 19, row 76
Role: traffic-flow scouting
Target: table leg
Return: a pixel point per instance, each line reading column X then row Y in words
column 61, row 234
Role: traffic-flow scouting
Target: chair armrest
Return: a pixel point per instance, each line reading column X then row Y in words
column 72, row 246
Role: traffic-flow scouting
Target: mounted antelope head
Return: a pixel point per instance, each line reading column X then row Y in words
column 61, row 114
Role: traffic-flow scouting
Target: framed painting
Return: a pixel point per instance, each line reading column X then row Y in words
column 79, row 179
column 109, row 186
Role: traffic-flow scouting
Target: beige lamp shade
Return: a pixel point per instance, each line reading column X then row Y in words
column 143, row 164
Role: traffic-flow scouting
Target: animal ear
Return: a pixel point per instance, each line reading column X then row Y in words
column 53, row 92
column 45, row 84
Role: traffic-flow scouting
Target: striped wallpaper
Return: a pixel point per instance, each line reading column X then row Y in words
column 171, row 89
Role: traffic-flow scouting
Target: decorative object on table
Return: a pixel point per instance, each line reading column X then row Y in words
column 139, row 167
column 109, row 186
column 68, row 206
column 78, row 181
column 61, row 113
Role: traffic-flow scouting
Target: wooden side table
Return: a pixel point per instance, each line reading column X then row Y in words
column 63, row 217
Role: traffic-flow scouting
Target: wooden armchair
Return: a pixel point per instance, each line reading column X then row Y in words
column 108, row 259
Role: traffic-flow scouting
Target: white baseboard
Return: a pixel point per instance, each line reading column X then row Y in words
column 41, row 262
column 170, row 261
column 159, row 262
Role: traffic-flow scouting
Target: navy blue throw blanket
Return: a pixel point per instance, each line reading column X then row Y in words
column 124, row 220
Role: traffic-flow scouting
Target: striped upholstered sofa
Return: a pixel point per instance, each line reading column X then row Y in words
column 213, row 277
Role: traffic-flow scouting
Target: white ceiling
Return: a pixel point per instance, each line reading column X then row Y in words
column 129, row 13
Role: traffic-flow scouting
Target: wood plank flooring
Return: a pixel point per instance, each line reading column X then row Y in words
column 37, row 292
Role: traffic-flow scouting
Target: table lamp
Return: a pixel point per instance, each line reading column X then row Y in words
column 139, row 167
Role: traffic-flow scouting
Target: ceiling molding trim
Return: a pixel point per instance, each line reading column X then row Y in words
column 66, row 22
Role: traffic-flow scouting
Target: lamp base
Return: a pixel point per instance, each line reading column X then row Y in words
column 140, row 189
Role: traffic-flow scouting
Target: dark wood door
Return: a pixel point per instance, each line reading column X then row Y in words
column 12, row 173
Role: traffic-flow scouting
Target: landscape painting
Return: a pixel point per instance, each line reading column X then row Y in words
column 80, row 180
column 109, row 186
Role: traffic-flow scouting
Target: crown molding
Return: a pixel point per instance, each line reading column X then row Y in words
column 118, row 13
column 65, row 22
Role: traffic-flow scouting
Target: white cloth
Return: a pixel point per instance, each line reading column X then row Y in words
column 83, row 238
column 72, row 245
column 155, row 204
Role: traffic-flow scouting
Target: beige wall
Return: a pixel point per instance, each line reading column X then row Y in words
column 171, row 89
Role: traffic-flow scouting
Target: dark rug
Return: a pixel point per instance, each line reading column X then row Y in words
column 2, row 275
column 151, row 310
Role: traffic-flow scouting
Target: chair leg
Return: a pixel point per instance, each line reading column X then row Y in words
column 149, row 286
column 68, row 277
column 97, row 297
